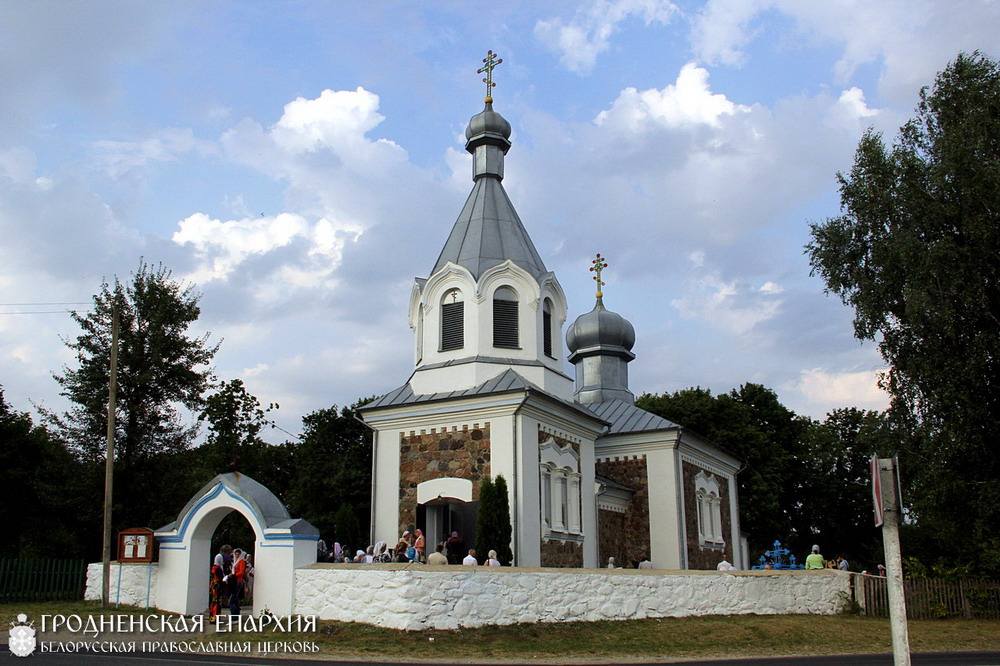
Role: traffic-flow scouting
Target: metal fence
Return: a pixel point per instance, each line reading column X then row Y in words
column 42, row 580
column 933, row 598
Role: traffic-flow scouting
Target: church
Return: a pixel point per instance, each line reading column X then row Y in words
column 590, row 475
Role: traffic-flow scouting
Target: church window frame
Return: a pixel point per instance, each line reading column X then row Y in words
column 561, row 506
column 452, row 320
column 708, row 501
column 506, row 324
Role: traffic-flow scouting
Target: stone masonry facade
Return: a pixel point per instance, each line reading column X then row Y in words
column 704, row 556
column 560, row 552
column 461, row 452
column 625, row 536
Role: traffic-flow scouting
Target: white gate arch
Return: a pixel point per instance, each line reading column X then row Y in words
column 283, row 544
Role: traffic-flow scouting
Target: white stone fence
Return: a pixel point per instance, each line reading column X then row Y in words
column 416, row 596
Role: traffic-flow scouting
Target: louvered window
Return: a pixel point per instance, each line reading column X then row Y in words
column 547, row 328
column 505, row 333
column 452, row 322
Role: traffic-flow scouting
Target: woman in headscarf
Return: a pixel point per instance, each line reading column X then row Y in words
column 338, row 552
column 419, row 545
column 215, row 586
column 399, row 552
column 455, row 548
column 380, row 554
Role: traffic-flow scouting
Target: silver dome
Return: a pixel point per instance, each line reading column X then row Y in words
column 487, row 121
column 600, row 328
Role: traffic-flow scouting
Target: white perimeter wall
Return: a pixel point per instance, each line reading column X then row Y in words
column 134, row 578
column 421, row 597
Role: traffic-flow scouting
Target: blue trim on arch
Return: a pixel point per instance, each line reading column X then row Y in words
column 204, row 500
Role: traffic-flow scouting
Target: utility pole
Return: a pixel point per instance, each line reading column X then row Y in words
column 109, row 464
column 888, row 513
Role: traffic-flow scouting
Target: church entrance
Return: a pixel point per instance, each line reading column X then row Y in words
column 438, row 518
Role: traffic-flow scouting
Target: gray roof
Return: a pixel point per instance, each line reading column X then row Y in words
column 488, row 232
column 266, row 507
column 404, row 395
column 506, row 381
column 626, row 417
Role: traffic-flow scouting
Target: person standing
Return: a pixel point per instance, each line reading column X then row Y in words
column 419, row 545
column 815, row 560
column 454, row 546
column 842, row 563
column 491, row 560
column 236, row 582
column 470, row 559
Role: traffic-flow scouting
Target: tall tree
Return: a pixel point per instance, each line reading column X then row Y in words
column 916, row 253
column 43, row 483
column 235, row 420
column 332, row 468
column 161, row 367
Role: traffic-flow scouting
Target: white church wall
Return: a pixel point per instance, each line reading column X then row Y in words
column 664, row 508
column 385, row 512
column 138, row 583
column 417, row 597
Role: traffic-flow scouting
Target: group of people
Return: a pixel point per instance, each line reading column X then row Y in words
column 411, row 547
column 230, row 579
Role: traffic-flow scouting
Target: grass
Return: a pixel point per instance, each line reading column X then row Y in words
column 693, row 637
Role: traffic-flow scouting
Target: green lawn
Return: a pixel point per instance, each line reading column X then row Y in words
column 714, row 636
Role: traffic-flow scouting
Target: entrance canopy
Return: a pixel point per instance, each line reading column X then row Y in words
column 282, row 544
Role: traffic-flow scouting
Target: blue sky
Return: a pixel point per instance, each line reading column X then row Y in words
column 301, row 162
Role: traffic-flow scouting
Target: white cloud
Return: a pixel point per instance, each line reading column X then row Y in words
column 220, row 247
column 913, row 39
column 118, row 157
column 730, row 305
column 826, row 390
column 689, row 101
column 589, row 33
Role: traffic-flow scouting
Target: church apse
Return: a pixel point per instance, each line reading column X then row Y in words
column 461, row 452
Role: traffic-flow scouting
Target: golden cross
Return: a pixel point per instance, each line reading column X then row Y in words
column 491, row 61
column 599, row 265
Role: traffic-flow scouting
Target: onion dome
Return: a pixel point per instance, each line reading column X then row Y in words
column 600, row 328
column 487, row 122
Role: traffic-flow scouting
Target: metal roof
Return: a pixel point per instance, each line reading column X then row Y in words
column 488, row 232
column 626, row 417
column 404, row 395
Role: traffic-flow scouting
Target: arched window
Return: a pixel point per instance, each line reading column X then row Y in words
column 505, row 333
column 452, row 321
column 547, row 328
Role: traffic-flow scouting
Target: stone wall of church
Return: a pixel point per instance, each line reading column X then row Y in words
column 461, row 452
column 625, row 536
column 704, row 556
column 556, row 552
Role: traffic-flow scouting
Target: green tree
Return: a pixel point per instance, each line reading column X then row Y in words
column 43, row 483
column 493, row 528
column 161, row 367
column 332, row 466
column 833, row 480
column 235, row 420
column 916, row 254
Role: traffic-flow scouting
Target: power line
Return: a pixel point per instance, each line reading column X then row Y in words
column 38, row 312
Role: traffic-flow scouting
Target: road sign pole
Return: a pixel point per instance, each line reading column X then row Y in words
column 894, row 560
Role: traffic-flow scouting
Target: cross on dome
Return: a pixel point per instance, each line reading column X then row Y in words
column 491, row 61
column 599, row 265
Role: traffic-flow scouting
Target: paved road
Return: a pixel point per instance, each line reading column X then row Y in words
column 82, row 659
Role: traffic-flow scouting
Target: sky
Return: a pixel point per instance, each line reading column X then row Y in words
column 301, row 162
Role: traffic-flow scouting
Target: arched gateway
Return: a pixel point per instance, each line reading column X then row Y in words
column 283, row 544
